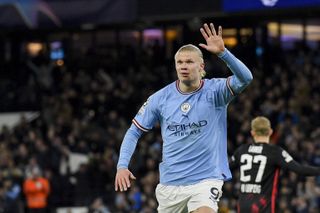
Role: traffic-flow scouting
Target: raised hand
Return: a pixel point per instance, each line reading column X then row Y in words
column 215, row 43
column 122, row 181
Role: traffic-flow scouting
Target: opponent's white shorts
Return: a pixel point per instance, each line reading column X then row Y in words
column 181, row 199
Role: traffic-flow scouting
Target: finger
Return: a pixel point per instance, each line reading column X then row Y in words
column 203, row 46
column 220, row 31
column 212, row 29
column 119, row 185
column 122, row 185
column 127, row 182
column 132, row 176
column 204, row 34
column 116, row 185
column 208, row 31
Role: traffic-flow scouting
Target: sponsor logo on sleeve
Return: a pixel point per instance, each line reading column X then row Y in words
column 143, row 108
column 286, row 156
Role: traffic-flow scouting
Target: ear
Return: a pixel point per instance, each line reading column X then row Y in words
column 202, row 65
column 270, row 132
column 253, row 134
column 201, row 70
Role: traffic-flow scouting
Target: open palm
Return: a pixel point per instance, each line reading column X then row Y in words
column 214, row 40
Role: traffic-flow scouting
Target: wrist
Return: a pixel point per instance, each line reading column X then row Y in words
column 222, row 53
column 122, row 167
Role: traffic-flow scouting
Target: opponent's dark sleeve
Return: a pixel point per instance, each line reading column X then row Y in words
column 285, row 161
column 233, row 162
column 303, row 169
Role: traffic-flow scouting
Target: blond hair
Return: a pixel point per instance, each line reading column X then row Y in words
column 261, row 126
column 192, row 48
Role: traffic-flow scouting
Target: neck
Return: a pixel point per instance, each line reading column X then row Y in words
column 261, row 139
column 188, row 87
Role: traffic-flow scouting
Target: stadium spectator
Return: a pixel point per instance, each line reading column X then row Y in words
column 36, row 189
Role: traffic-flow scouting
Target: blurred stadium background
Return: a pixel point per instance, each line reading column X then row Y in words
column 74, row 73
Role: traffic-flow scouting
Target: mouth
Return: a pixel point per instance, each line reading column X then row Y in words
column 184, row 74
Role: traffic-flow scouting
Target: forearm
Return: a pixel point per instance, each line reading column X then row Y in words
column 128, row 146
column 242, row 75
column 304, row 169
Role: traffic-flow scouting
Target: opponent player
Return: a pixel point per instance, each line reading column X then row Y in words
column 192, row 114
column 260, row 164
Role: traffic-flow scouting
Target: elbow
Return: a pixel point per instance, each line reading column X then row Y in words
column 248, row 79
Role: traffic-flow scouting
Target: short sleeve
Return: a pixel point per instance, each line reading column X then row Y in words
column 282, row 158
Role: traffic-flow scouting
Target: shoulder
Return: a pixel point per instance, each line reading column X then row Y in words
column 165, row 90
column 214, row 82
column 162, row 93
column 28, row 181
column 278, row 154
column 242, row 149
column 273, row 150
column 273, row 147
column 44, row 180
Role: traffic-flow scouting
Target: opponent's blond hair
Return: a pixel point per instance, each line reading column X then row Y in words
column 261, row 126
column 192, row 48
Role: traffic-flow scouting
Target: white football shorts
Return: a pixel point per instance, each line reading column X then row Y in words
column 181, row 199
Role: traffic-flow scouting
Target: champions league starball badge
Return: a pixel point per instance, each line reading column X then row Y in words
column 185, row 107
column 143, row 107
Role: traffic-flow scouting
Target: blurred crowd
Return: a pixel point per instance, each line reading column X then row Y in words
column 87, row 104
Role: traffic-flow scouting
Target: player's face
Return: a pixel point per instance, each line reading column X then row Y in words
column 189, row 65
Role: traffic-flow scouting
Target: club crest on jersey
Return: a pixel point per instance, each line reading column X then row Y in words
column 143, row 107
column 185, row 107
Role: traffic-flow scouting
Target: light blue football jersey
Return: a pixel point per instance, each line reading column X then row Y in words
column 193, row 127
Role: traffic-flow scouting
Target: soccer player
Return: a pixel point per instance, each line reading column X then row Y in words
column 259, row 165
column 192, row 115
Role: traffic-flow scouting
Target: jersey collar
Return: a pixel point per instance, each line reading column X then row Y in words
column 189, row 93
